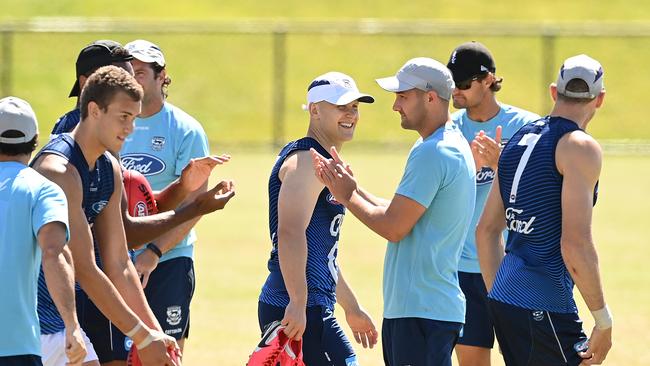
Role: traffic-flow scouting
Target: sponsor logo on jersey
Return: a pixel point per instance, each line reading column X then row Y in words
column 174, row 315
column 157, row 143
column 485, row 176
column 99, row 206
column 516, row 225
column 145, row 164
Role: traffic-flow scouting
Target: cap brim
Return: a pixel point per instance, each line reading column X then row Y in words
column 393, row 84
column 75, row 90
column 352, row 96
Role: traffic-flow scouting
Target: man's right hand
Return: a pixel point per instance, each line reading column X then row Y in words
column 295, row 320
column 75, row 347
column 599, row 344
column 155, row 354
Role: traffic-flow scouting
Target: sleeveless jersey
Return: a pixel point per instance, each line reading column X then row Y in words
column 533, row 274
column 98, row 186
column 66, row 123
column 322, row 240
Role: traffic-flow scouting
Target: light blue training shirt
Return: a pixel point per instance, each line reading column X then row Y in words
column 421, row 270
column 510, row 119
column 160, row 147
column 28, row 201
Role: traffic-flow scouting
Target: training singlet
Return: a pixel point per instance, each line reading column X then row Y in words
column 98, row 186
column 533, row 274
column 322, row 239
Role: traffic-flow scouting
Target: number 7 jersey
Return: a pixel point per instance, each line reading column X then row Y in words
column 533, row 274
column 322, row 240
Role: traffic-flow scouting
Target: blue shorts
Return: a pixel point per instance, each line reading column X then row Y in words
column 169, row 293
column 324, row 343
column 417, row 341
column 535, row 337
column 22, row 360
column 478, row 330
column 99, row 330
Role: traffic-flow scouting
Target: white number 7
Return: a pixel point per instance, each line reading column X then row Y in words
column 529, row 140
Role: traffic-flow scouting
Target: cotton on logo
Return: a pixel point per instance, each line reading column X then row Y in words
column 519, row 226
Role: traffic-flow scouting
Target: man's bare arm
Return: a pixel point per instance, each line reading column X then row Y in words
column 489, row 241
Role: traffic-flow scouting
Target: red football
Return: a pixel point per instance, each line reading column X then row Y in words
column 138, row 194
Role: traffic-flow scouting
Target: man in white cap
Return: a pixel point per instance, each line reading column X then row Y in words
column 544, row 193
column 425, row 222
column 163, row 143
column 305, row 220
column 33, row 232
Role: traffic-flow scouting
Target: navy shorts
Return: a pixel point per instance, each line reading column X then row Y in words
column 22, row 360
column 478, row 330
column 169, row 293
column 417, row 341
column 324, row 343
column 102, row 334
column 535, row 337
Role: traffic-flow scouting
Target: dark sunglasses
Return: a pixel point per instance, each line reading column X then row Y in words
column 466, row 84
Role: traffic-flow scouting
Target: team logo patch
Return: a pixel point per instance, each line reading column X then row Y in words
column 538, row 315
column 99, row 206
column 128, row 343
column 157, row 143
column 331, row 199
column 145, row 164
column 174, row 315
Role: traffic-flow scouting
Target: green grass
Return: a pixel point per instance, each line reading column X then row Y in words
column 234, row 244
column 225, row 81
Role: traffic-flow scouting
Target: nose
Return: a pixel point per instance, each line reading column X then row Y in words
column 396, row 106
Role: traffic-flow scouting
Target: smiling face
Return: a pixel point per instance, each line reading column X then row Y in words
column 410, row 104
column 337, row 122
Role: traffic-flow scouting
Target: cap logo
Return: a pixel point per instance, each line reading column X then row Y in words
column 453, row 58
column 347, row 84
column 599, row 74
column 484, row 69
column 316, row 83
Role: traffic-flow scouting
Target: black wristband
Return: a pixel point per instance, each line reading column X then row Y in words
column 154, row 248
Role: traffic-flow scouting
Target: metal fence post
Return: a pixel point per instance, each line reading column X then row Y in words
column 548, row 69
column 7, row 62
column 278, row 87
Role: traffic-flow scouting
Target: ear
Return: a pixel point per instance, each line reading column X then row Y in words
column 82, row 82
column 93, row 109
column 162, row 75
column 313, row 110
column 553, row 89
column 600, row 99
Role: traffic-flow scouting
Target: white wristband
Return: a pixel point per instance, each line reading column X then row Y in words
column 603, row 318
column 145, row 342
column 135, row 329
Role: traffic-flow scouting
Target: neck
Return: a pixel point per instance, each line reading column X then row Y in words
column 485, row 111
column 433, row 123
column 88, row 142
column 151, row 106
column 22, row 158
column 322, row 139
column 576, row 113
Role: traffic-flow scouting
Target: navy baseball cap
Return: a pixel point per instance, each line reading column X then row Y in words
column 469, row 60
column 100, row 53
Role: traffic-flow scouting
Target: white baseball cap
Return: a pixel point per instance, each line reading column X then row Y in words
column 421, row 73
column 146, row 51
column 16, row 114
column 584, row 68
column 336, row 88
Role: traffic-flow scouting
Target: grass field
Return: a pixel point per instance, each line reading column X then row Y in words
column 234, row 245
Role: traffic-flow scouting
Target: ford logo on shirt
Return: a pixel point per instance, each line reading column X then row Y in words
column 145, row 164
column 484, row 176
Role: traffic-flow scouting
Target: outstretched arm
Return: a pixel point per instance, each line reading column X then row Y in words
column 360, row 322
column 579, row 160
